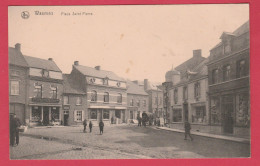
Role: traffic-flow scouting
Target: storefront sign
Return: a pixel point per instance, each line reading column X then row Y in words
column 66, row 107
column 45, row 100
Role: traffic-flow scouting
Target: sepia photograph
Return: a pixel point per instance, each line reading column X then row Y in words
column 129, row 82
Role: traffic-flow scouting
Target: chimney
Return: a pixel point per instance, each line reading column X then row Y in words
column 197, row 53
column 18, row 46
column 50, row 59
column 76, row 63
column 145, row 84
column 97, row 67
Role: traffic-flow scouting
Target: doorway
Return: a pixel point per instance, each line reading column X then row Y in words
column 186, row 111
column 66, row 119
column 46, row 116
column 227, row 114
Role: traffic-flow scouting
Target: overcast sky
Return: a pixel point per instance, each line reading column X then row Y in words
column 135, row 42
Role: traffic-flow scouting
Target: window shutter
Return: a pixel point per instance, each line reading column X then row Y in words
column 75, row 115
column 83, row 115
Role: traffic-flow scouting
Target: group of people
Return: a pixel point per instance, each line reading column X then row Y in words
column 101, row 126
column 15, row 123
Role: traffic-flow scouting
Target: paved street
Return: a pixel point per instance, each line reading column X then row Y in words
column 126, row 141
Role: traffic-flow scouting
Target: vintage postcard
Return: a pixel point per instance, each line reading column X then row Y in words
column 129, row 81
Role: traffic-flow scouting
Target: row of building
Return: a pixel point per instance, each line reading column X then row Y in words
column 40, row 94
column 212, row 93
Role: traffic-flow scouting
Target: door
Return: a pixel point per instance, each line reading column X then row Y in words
column 45, row 116
column 66, row 119
column 186, row 112
column 227, row 114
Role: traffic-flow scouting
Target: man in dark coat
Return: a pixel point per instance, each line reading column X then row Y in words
column 187, row 128
column 139, row 120
column 101, row 127
column 90, row 126
column 14, row 130
column 85, row 124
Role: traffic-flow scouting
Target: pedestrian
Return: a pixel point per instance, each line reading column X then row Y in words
column 101, row 127
column 85, row 124
column 90, row 126
column 112, row 120
column 139, row 120
column 187, row 128
column 15, row 123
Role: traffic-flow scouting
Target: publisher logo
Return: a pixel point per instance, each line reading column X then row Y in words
column 25, row 15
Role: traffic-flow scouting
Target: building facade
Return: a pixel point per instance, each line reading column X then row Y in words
column 137, row 101
column 105, row 93
column 18, row 77
column 229, row 88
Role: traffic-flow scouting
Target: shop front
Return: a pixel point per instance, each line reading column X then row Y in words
column 45, row 115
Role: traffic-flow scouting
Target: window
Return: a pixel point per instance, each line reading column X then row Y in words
column 106, row 97
column 185, row 93
column 226, row 73
column 65, row 100
column 15, row 73
column 54, row 92
column 215, row 76
column 106, row 114
column 241, row 68
column 78, row 116
column 177, row 114
column 79, row 100
column 36, row 114
column 119, row 98
column 242, row 111
column 105, row 81
column 15, row 87
column 175, row 95
column 38, row 89
column 93, row 114
column 132, row 102
column 197, row 90
column 215, row 111
column 118, row 114
column 156, row 100
column 144, row 103
column 55, row 114
column 93, row 96
column 45, row 73
column 199, row 114
column 138, row 103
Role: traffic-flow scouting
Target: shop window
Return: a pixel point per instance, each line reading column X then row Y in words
column 215, row 76
column 175, row 95
column 242, row 113
column 38, row 89
column 78, row 100
column 226, row 73
column 93, row 114
column 177, row 114
column 118, row 114
column 185, row 93
column 15, row 87
column 132, row 102
column 105, row 114
column 55, row 114
column 36, row 114
column 65, row 100
column 197, row 90
column 106, row 97
column 215, row 111
column 93, row 96
column 53, row 92
column 119, row 98
column 241, row 69
column 199, row 114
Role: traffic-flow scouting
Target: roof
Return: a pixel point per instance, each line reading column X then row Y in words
column 70, row 86
column 172, row 72
column 133, row 88
column 153, row 86
column 190, row 64
column 15, row 57
column 41, row 63
column 89, row 71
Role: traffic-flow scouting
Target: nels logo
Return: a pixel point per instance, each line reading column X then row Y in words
column 25, row 14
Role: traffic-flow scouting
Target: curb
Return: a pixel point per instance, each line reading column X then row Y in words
column 228, row 138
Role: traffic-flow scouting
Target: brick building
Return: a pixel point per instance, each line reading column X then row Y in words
column 229, row 90
column 74, row 103
column 18, row 77
column 137, row 100
column 105, row 93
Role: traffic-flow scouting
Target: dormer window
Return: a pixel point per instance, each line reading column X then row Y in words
column 118, row 84
column 105, row 81
column 92, row 80
column 45, row 73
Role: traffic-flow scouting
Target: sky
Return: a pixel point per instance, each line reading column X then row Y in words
column 136, row 42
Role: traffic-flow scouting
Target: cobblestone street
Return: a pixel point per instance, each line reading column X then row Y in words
column 125, row 141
